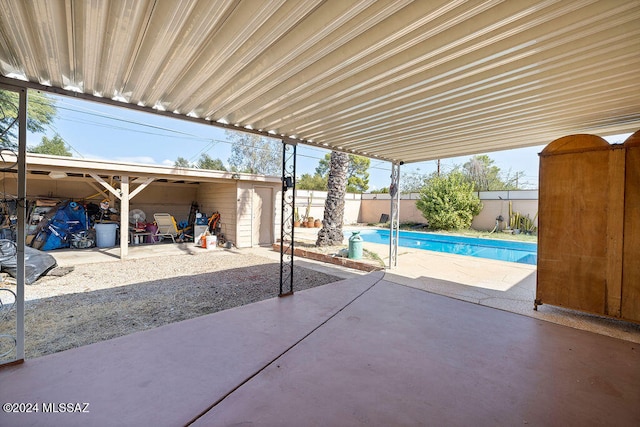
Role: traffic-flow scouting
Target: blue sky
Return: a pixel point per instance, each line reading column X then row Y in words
column 97, row 131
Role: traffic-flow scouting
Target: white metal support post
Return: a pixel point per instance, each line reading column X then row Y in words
column 12, row 345
column 394, row 219
column 21, row 222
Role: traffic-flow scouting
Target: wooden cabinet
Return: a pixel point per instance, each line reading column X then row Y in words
column 630, row 306
column 589, row 226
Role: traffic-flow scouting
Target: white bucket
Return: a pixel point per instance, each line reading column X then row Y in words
column 212, row 242
column 106, row 235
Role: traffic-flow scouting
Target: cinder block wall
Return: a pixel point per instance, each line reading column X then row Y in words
column 494, row 203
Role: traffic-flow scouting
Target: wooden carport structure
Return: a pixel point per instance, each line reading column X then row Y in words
column 77, row 178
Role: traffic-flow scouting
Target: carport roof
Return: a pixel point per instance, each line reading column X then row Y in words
column 42, row 163
column 397, row 80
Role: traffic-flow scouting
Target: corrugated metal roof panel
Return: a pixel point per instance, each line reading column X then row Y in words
column 400, row 80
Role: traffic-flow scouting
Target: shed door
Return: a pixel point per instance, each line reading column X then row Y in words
column 262, row 227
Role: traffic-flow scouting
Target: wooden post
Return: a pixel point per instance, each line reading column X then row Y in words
column 124, row 217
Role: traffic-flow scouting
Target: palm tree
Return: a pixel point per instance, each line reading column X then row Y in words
column 331, row 232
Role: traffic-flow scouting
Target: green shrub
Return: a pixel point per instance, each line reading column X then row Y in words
column 448, row 202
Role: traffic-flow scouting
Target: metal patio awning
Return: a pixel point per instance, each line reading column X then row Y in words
column 398, row 80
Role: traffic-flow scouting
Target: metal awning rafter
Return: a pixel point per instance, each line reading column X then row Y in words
column 39, row 163
column 169, row 114
column 130, row 106
column 383, row 79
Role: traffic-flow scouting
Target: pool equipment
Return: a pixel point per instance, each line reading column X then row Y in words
column 355, row 245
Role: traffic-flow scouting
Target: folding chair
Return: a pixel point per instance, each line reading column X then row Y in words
column 167, row 226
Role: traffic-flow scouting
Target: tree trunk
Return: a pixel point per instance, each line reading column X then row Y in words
column 331, row 232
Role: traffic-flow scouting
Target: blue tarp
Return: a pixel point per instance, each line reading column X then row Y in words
column 69, row 219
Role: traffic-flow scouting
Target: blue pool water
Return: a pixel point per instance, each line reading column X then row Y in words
column 503, row 250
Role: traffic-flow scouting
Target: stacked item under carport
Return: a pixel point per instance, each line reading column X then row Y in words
column 62, row 225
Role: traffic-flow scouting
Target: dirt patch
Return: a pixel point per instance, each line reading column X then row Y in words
column 96, row 302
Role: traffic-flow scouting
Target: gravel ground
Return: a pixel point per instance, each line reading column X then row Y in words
column 105, row 300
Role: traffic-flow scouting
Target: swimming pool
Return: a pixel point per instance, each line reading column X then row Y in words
column 503, row 250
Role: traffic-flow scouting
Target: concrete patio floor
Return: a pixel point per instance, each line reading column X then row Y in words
column 363, row 351
column 376, row 349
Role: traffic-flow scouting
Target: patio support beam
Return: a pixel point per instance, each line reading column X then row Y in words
column 141, row 187
column 287, row 210
column 21, row 222
column 124, row 217
column 106, row 185
column 99, row 190
column 394, row 219
column 125, row 197
column 10, row 300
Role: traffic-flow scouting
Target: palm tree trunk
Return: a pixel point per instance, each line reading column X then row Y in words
column 331, row 232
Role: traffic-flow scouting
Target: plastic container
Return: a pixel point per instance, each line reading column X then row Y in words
column 355, row 245
column 212, row 242
column 106, row 235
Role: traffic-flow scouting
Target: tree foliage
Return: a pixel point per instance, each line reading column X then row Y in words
column 383, row 190
column 357, row 174
column 413, row 182
column 207, row 162
column 485, row 176
column 55, row 146
column 41, row 111
column 252, row 153
column 513, row 181
column 448, row 202
column 181, row 162
column 311, row 182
